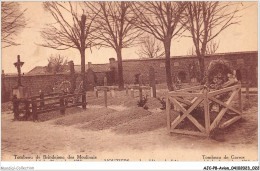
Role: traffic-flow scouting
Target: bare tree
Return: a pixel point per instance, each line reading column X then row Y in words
column 160, row 19
column 150, row 48
column 56, row 63
column 114, row 29
column 70, row 30
column 212, row 48
column 205, row 20
column 12, row 22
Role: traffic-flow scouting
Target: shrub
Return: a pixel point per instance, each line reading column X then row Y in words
column 217, row 72
column 142, row 103
column 163, row 102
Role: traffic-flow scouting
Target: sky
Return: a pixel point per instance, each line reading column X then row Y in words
column 242, row 37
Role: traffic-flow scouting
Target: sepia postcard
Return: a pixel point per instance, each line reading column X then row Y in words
column 164, row 81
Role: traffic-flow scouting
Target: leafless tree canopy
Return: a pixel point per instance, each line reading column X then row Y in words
column 206, row 20
column 114, row 28
column 162, row 20
column 56, row 63
column 212, row 48
column 12, row 22
column 150, row 48
column 65, row 32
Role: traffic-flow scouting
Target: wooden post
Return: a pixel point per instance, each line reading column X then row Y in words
column 151, row 91
column 42, row 98
column 105, row 97
column 84, row 103
column 168, row 115
column 152, row 81
column 127, row 90
column 247, row 83
column 15, row 107
column 132, row 92
column 240, row 98
column 206, row 112
column 62, row 105
column 27, row 111
column 112, row 92
column 72, row 76
column 247, row 89
column 105, row 81
column 84, row 100
column 140, row 94
column 96, row 92
column 34, row 110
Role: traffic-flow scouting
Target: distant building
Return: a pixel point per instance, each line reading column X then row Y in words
column 182, row 68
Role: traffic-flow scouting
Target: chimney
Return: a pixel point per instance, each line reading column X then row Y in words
column 112, row 63
column 89, row 65
column 111, row 60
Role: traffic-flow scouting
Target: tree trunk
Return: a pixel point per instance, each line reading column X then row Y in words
column 82, row 53
column 120, row 69
column 83, row 75
column 202, row 69
column 167, row 46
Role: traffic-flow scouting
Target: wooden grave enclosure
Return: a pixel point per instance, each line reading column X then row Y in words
column 181, row 103
column 140, row 88
column 112, row 90
column 105, row 89
column 35, row 105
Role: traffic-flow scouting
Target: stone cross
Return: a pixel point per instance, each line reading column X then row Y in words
column 18, row 65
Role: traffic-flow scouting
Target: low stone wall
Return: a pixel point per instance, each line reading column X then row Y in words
column 33, row 83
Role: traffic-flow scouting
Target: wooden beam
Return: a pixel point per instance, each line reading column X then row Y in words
column 187, row 102
column 185, row 94
column 225, row 105
column 191, row 88
column 182, row 131
column 196, row 103
column 196, row 123
column 177, row 104
column 222, row 112
column 216, row 92
column 230, row 121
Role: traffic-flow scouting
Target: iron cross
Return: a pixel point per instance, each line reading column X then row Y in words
column 18, row 65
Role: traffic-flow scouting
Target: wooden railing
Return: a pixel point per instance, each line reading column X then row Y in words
column 137, row 87
column 186, row 100
column 36, row 105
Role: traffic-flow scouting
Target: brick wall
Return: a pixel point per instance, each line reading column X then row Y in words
column 243, row 61
column 33, row 83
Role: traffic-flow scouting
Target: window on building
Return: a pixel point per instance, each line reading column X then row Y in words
column 240, row 61
column 176, row 64
column 162, row 65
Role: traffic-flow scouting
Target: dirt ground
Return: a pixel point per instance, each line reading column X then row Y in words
column 123, row 131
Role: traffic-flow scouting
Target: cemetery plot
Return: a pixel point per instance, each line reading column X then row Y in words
column 194, row 106
column 27, row 108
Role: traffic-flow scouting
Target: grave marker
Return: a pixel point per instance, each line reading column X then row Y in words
column 152, row 82
column 20, row 91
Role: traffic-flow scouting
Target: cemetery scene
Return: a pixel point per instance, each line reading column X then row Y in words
column 129, row 81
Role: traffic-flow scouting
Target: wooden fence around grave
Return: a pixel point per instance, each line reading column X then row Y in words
column 181, row 103
column 36, row 105
column 140, row 88
column 112, row 89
